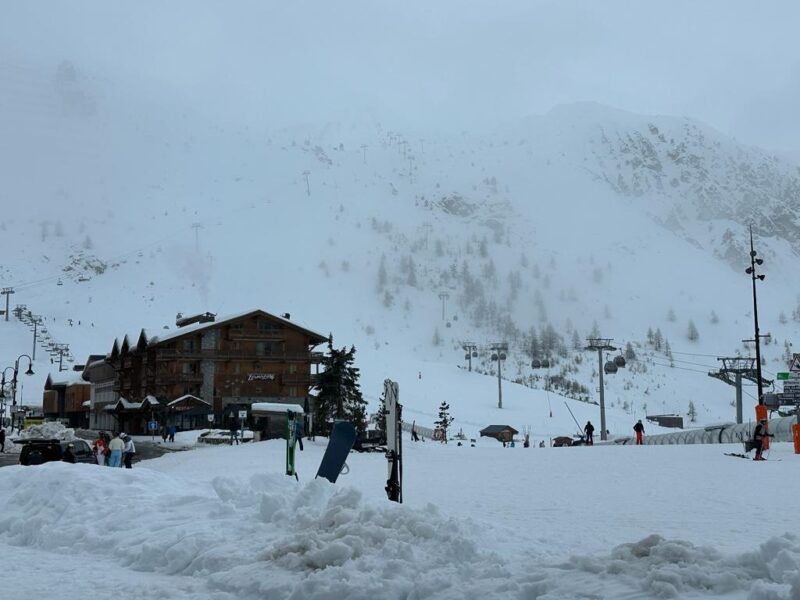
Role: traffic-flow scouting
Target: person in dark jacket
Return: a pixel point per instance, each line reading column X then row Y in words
column 2, row 440
column 639, row 429
column 298, row 432
column 68, row 456
column 759, row 433
column 589, row 431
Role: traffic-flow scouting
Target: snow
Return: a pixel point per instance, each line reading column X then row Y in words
column 225, row 522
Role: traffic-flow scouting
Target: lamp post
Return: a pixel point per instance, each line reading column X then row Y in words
column 14, row 383
column 751, row 270
column 3, row 397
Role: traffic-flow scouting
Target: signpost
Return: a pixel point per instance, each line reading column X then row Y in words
column 211, row 417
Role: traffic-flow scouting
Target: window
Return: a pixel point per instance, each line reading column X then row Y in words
column 269, row 348
column 188, row 345
column 292, row 368
column 189, row 368
column 265, row 325
column 293, row 392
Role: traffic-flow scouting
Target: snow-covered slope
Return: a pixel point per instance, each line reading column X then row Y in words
column 121, row 211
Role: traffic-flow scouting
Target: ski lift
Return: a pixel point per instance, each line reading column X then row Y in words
column 60, row 282
column 536, row 364
column 448, row 325
column 619, row 361
column 474, row 354
column 545, row 363
column 610, row 368
column 494, row 356
column 466, row 356
column 502, row 356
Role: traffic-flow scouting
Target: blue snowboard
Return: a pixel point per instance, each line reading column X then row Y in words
column 341, row 442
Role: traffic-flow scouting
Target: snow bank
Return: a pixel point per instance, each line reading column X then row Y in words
column 266, row 536
column 49, row 431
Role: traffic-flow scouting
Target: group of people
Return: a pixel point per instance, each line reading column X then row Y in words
column 168, row 432
column 114, row 451
column 638, row 430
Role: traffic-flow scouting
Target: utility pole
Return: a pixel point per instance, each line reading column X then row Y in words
column 61, row 349
column 471, row 349
column 36, row 320
column 197, row 227
column 443, row 296
column 740, row 368
column 364, row 150
column 499, row 350
column 308, row 186
column 751, row 270
column 601, row 345
column 7, row 291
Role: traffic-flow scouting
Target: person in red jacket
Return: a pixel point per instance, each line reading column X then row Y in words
column 639, row 429
column 100, row 450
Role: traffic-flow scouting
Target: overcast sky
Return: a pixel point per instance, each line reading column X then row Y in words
column 449, row 63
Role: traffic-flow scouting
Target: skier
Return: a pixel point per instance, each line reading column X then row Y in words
column 639, row 429
column 414, row 435
column 589, row 431
column 759, row 434
column 2, row 440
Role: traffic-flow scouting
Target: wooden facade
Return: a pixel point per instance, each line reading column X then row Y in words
column 66, row 400
column 228, row 364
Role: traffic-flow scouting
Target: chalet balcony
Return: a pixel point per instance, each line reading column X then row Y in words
column 256, row 334
column 173, row 378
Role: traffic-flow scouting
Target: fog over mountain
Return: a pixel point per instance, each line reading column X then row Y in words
column 556, row 169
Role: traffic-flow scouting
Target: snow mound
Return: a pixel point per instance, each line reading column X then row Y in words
column 267, row 536
column 48, row 431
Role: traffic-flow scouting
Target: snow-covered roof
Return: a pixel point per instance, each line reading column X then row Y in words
column 159, row 339
column 86, row 403
column 126, row 404
column 67, row 378
column 275, row 407
column 187, row 397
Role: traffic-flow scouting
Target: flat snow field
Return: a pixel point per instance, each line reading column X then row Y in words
column 482, row 522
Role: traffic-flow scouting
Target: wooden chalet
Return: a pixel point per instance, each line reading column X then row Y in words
column 66, row 398
column 502, row 433
column 207, row 366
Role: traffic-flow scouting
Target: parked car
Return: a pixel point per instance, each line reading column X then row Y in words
column 38, row 451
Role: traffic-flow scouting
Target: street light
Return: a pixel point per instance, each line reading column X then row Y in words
column 3, row 397
column 751, row 270
column 14, row 383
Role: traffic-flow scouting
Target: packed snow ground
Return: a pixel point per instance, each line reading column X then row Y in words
column 225, row 522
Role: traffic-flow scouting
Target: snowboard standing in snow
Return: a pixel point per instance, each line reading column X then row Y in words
column 341, row 442
column 291, row 442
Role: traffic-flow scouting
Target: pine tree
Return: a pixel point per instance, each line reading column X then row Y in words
column 692, row 413
column 714, row 318
column 671, row 315
column 692, row 332
column 383, row 275
column 339, row 391
column 629, row 353
column 412, row 274
column 576, row 341
column 380, row 417
column 650, row 338
column 658, row 340
column 668, row 352
column 437, row 339
column 444, row 421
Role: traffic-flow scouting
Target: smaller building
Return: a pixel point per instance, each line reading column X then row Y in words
column 66, row 398
column 674, row 421
column 502, row 433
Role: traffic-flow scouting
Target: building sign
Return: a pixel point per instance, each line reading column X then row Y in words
column 260, row 377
